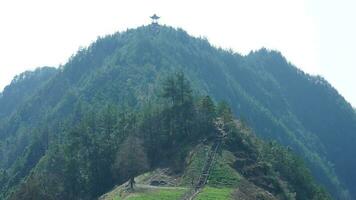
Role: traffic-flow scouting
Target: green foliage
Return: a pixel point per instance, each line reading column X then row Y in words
column 22, row 87
column 207, row 113
column 90, row 106
column 293, row 170
column 131, row 158
column 96, row 150
column 271, row 166
column 224, row 111
column 177, row 89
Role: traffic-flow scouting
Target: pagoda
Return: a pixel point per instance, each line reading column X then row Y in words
column 155, row 19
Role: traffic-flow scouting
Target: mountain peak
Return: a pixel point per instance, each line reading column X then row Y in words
column 124, row 72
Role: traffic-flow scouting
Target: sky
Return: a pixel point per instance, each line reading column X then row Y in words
column 317, row 36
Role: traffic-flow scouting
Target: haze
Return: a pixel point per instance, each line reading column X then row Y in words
column 317, row 36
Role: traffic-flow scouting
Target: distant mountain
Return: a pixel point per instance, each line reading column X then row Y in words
column 279, row 101
column 21, row 87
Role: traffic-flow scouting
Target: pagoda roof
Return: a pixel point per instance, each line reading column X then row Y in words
column 154, row 16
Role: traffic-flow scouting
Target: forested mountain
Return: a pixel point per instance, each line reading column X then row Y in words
column 125, row 70
column 21, row 87
column 98, row 148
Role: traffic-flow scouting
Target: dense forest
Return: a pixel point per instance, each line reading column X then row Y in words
column 61, row 129
column 97, row 149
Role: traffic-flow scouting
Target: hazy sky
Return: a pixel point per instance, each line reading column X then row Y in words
column 318, row 36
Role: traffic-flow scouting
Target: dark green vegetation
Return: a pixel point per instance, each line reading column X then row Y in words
column 98, row 148
column 60, row 130
column 131, row 158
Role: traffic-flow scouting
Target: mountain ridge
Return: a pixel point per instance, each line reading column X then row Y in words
column 262, row 87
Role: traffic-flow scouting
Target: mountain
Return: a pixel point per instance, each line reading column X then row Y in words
column 197, row 141
column 279, row 101
column 21, row 87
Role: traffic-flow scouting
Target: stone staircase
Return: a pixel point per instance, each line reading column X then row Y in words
column 208, row 165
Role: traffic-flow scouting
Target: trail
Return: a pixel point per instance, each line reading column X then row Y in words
column 209, row 163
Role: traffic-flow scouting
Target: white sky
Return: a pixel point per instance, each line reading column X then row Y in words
column 318, row 36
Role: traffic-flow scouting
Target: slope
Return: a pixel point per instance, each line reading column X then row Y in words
column 279, row 101
column 22, row 87
column 236, row 173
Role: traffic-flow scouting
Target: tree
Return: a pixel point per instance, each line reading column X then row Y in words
column 207, row 115
column 177, row 89
column 184, row 91
column 170, row 89
column 224, row 111
column 131, row 159
column 35, row 188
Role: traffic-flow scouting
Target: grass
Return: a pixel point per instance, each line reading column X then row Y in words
column 161, row 194
column 221, row 183
column 208, row 193
column 151, row 194
column 222, row 173
column 211, row 193
column 196, row 162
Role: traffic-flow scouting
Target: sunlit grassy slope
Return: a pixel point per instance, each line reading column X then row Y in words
column 223, row 180
column 143, row 192
column 212, row 193
column 222, row 174
column 157, row 194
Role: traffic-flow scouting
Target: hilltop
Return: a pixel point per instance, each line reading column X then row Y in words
column 125, row 71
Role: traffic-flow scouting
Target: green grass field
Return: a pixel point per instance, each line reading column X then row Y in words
column 222, row 180
column 211, row 193
column 208, row 193
column 161, row 194
column 222, row 173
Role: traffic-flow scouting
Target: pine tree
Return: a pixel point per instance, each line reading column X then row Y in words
column 131, row 159
column 207, row 115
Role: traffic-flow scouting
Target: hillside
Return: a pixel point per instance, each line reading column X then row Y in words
column 21, row 88
column 126, row 69
column 180, row 132
column 244, row 168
